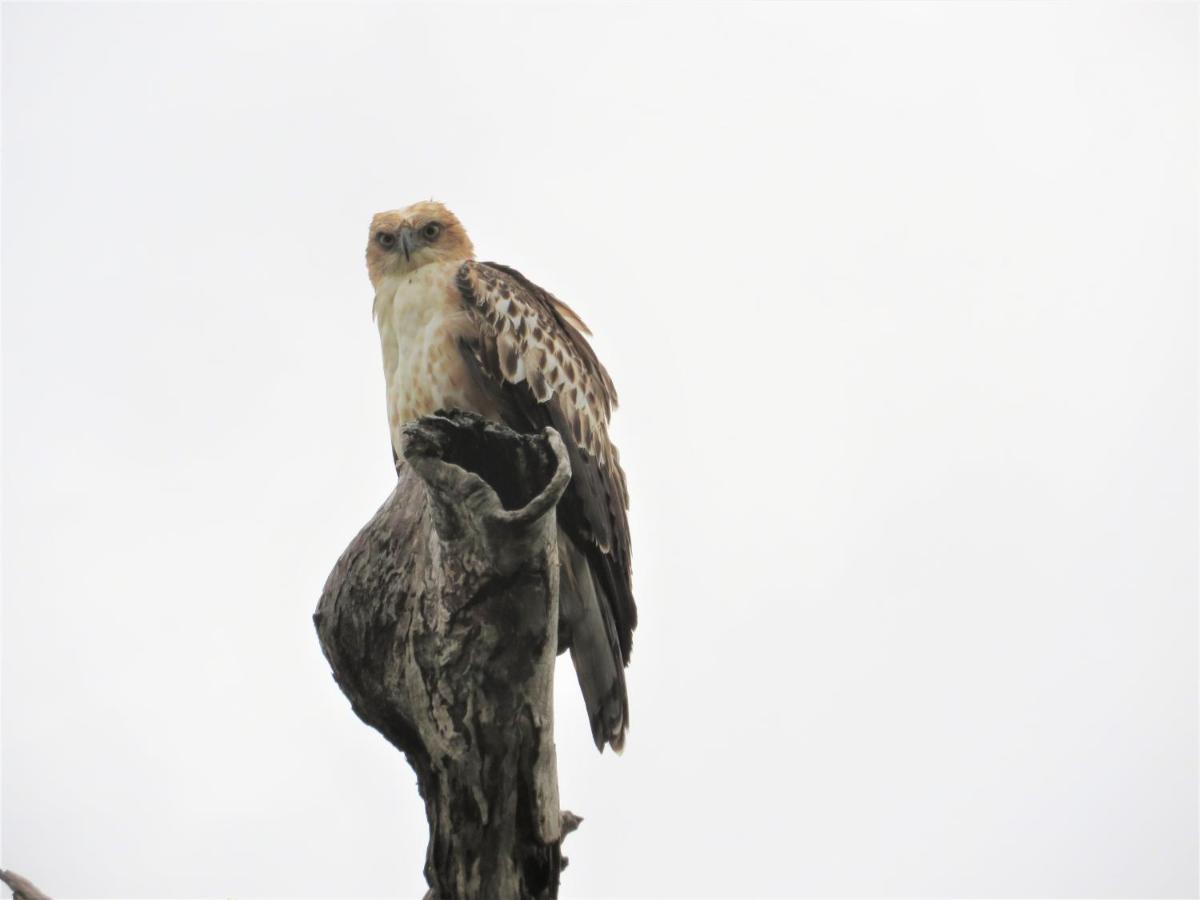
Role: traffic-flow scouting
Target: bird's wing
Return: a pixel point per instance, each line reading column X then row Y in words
column 531, row 347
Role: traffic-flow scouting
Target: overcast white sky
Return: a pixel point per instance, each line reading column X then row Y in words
column 900, row 300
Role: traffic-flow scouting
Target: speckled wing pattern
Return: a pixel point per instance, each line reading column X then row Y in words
column 531, row 345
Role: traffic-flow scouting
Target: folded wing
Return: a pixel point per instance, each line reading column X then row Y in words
column 529, row 351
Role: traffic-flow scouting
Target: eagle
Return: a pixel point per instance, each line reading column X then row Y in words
column 479, row 336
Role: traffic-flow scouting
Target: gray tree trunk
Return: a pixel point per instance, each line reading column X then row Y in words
column 440, row 621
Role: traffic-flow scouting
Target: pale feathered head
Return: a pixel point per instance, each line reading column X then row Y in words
column 403, row 240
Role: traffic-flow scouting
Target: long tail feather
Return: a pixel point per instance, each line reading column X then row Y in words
column 586, row 624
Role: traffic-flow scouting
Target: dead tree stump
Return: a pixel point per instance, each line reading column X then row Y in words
column 440, row 621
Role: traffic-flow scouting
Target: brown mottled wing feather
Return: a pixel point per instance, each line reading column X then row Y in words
column 531, row 349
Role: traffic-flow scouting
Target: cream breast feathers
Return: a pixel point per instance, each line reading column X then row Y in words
column 421, row 319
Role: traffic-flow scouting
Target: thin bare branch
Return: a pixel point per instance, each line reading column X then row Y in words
column 22, row 888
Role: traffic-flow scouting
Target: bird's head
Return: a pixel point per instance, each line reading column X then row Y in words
column 403, row 240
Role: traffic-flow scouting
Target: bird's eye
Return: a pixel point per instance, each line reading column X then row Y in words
column 386, row 240
column 431, row 231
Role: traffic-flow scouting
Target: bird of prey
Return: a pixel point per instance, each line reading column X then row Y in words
column 481, row 337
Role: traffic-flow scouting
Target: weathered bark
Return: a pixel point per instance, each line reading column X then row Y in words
column 440, row 623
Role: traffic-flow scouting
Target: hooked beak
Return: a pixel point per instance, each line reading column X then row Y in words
column 406, row 243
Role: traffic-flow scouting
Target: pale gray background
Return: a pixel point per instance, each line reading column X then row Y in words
column 901, row 303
